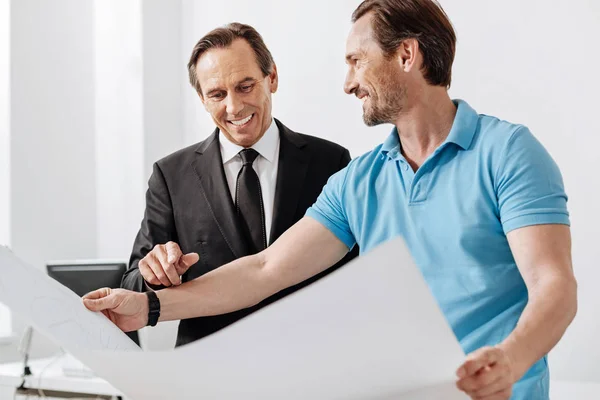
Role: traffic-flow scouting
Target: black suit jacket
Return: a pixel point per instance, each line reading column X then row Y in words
column 188, row 202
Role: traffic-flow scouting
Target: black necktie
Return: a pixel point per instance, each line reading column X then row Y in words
column 249, row 204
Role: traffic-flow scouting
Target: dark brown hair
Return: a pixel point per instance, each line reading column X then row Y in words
column 223, row 37
column 423, row 20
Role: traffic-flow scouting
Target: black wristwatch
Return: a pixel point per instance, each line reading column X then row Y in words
column 153, row 308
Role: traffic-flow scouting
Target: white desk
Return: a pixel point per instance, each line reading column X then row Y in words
column 51, row 379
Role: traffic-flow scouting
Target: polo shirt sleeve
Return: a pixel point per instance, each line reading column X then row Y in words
column 529, row 185
column 329, row 208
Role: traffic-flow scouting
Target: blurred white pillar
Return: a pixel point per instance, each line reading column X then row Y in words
column 119, row 125
column 164, row 75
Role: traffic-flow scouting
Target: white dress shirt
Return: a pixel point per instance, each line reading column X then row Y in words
column 265, row 166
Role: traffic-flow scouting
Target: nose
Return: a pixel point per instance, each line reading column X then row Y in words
column 234, row 105
column 350, row 84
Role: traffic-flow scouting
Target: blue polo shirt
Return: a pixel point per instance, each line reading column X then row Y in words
column 488, row 178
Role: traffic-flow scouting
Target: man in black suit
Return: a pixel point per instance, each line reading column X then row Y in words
column 234, row 193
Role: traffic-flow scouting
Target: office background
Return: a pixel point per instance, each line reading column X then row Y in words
column 93, row 92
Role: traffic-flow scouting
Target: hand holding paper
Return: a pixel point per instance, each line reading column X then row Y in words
column 487, row 372
column 126, row 309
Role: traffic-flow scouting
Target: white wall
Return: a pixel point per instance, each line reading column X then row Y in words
column 4, row 121
column 52, row 132
column 5, row 320
column 532, row 62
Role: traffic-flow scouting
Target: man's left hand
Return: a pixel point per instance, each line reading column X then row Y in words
column 487, row 374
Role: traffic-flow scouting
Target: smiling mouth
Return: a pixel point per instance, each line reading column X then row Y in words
column 362, row 95
column 241, row 122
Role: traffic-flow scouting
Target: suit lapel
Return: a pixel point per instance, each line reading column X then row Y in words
column 208, row 165
column 293, row 164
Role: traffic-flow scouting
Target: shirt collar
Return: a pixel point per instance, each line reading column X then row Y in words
column 462, row 131
column 391, row 146
column 464, row 125
column 266, row 146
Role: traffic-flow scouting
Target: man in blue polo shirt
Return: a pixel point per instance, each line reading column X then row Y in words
column 478, row 200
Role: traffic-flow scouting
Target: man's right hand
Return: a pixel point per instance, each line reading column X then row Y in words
column 165, row 264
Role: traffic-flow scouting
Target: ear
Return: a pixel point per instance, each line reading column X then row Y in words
column 407, row 54
column 274, row 79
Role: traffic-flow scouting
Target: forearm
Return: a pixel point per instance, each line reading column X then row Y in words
column 304, row 250
column 551, row 308
column 239, row 284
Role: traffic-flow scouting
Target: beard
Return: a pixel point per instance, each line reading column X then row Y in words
column 385, row 107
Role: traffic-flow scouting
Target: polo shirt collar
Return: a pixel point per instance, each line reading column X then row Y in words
column 464, row 125
column 462, row 131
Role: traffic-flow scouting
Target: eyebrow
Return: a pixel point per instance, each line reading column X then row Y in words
column 213, row 91
column 350, row 55
column 247, row 79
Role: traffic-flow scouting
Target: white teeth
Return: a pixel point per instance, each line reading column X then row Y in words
column 364, row 99
column 242, row 121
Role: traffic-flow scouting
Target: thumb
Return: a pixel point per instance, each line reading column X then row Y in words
column 188, row 260
column 100, row 304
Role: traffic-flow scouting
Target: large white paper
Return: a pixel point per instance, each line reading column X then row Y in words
column 371, row 330
column 54, row 310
